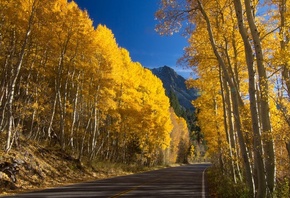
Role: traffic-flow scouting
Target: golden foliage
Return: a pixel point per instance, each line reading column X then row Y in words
column 76, row 85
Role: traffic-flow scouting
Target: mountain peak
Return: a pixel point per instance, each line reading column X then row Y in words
column 176, row 83
column 165, row 70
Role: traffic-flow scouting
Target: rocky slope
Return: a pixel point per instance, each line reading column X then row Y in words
column 172, row 81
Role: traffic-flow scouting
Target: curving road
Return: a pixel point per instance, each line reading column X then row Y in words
column 183, row 181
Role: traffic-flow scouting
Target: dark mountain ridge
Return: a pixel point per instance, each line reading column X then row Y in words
column 176, row 83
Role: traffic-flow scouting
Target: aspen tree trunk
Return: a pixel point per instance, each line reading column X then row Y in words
column 4, row 78
column 284, row 41
column 29, row 100
column 62, row 105
column 34, row 110
column 4, row 75
column 235, row 76
column 5, row 86
column 82, row 143
column 49, row 131
column 227, row 123
column 235, row 73
column 94, row 132
column 265, row 109
column 285, row 67
column 74, row 116
column 229, row 126
column 221, row 161
column 57, row 85
column 15, row 75
column 258, row 155
column 96, row 124
column 236, row 102
column 85, row 134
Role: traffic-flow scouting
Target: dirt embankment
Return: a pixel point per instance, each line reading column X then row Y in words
column 42, row 167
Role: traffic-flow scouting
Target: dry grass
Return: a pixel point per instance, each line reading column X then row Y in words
column 50, row 167
column 47, row 167
column 44, row 167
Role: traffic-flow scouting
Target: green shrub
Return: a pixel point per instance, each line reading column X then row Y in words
column 221, row 185
column 283, row 188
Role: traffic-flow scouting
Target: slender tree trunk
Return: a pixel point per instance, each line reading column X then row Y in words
column 236, row 102
column 235, row 75
column 4, row 89
column 261, row 189
column 15, row 76
column 265, row 109
column 219, row 141
column 285, row 66
column 63, row 111
column 74, row 116
column 59, row 74
column 49, row 131
column 228, row 122
column 283, row 43
column 96, row 126
column 81, row 148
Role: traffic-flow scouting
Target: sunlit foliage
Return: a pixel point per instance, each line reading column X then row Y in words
column 240, row 53
column 69, row 84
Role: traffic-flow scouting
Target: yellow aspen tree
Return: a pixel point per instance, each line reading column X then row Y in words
column 109, row 58
column 156, row 125
column 175, row 137
column 72, row 85
column 215, row 26
column 180, row 139
column 249, row 34
column 128, row 107
column 282, row 56
column 179, row 144
column 264, row 91
column 18, row 25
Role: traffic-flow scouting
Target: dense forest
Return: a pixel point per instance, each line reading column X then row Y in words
column 67, row 84
column 240, row 52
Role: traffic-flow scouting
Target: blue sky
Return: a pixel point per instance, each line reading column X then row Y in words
column 133, row 23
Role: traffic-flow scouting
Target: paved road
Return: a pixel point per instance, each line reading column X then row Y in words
column 183, row 181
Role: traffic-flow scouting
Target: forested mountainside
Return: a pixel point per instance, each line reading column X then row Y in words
column 181, row 99
column 176, row 83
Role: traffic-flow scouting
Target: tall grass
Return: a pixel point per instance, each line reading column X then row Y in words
column 221, row 185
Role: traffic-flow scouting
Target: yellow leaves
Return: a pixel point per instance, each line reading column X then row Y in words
column 140, row 106
column 106, row 41
column 76, row 81
column 210, row 109
column 148, row 101
column 179, row 135
column 35, row 105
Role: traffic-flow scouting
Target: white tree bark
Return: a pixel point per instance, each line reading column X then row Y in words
column 234, row 95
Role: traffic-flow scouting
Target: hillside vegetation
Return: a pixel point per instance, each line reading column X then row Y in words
column 69, row 93
column 44, row 167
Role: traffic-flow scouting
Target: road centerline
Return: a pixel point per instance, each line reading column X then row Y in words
column 138, row 186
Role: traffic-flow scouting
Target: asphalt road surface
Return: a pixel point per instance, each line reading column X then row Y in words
column 183, row 181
